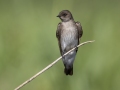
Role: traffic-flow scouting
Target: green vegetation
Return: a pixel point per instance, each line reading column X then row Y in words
column 28, row 43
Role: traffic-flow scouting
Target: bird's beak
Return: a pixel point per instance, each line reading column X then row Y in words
column 58, row 15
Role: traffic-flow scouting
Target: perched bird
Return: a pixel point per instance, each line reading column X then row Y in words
column 68, row 34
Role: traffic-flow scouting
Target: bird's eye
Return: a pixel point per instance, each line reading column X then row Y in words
column 64, row 14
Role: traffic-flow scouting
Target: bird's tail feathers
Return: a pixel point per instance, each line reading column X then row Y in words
column 68, row 71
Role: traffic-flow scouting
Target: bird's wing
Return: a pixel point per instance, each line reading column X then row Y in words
column 79, row 28
column 80, row 31
column 58, row 33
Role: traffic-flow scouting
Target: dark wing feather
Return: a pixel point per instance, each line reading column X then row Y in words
column 80, row 31
column 58, row 35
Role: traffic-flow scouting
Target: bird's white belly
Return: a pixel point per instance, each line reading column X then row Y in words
column 68, row 39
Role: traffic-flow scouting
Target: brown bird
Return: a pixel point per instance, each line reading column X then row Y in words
column 68, row 34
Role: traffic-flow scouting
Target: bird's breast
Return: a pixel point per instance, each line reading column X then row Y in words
column 69, row 38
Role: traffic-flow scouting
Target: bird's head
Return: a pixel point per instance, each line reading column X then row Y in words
column 65, row 15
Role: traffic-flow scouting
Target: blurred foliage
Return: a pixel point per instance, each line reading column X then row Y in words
column 28, row 43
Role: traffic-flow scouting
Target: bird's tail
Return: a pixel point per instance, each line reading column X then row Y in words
column 68, row 71
column 68, row 61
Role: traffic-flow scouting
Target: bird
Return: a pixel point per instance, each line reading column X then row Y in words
column 68, row 34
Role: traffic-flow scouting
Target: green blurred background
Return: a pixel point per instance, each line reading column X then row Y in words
column 28, row 43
